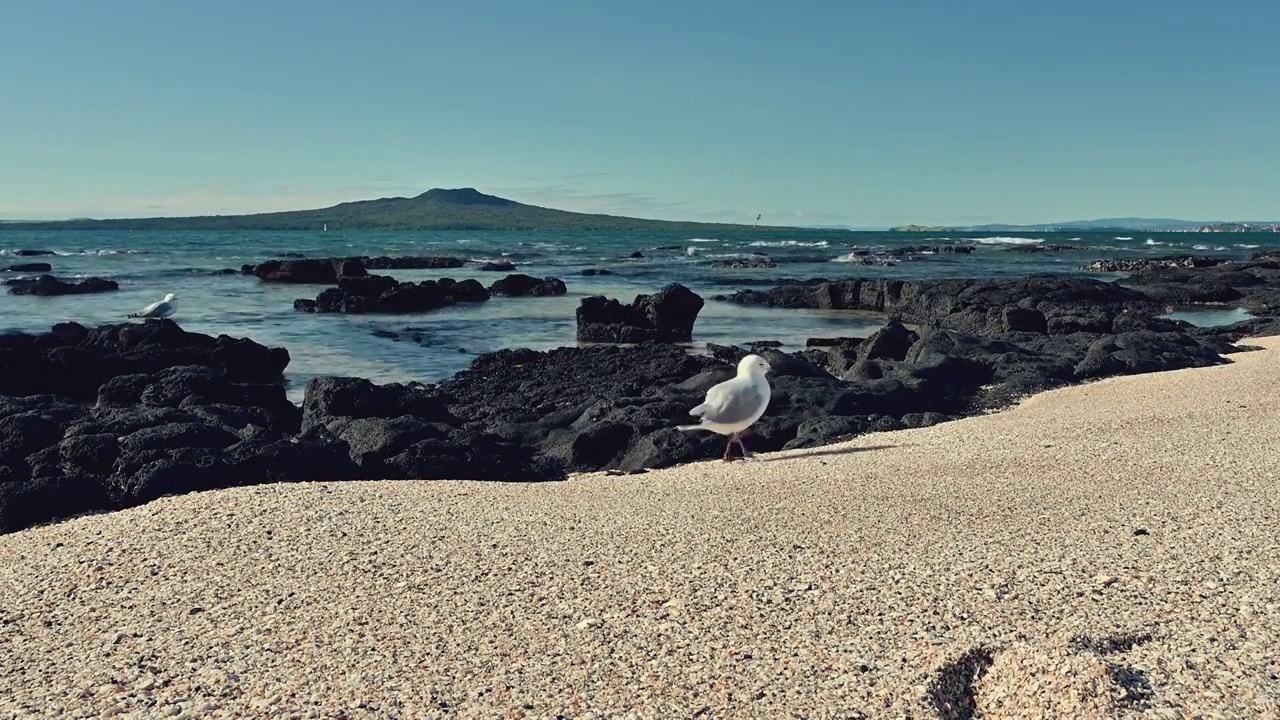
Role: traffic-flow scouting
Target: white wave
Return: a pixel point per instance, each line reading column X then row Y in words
column 1199, row 247
column 1005, row 240
column 1123, row 238
column 787, row 243
column 1220, row 248
column 691, row 251
column 1150, row 242
column 1248, row 247
column 70, row 253
column 854, row 257
column 705, row 240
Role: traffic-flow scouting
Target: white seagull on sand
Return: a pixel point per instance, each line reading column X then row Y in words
column 735, row 404
column 162, row 309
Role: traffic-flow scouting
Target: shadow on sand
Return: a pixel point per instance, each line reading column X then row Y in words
column 819, row 452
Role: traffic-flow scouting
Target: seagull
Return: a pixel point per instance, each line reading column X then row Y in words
column 162, row 309
column 735, row 404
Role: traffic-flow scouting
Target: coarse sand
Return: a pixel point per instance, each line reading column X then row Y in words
column 1110, row 550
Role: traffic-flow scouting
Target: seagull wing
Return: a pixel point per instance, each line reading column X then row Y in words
column 732, row 401
column 155, row 309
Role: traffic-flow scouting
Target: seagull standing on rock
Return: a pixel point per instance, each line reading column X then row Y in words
column 735, row 404
column 162, row 309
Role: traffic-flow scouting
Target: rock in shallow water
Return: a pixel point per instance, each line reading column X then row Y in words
column 383, row 294
column 522, row 285
column 327, row 271
column 49, row 286
column 667, row 316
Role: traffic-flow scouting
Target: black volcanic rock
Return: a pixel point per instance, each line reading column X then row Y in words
column 35, row 253
column 49, row 286
column 910, row 250
column 744, row 263
column 464, row 290
column 667, row 316
column 327, row 271
column 498, row 266
column 975, row 306
column 1133, row 265
column 330, row 398
column 30, row 267
column 72, row 361
column 386, row 295
column 407, row 431
column 521, row 285
column 888, row 343
column 1251, row 284
column 429, row 262
column 103, row 418
column 597, row 271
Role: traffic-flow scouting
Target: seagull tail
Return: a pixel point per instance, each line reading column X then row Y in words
column 689, row 427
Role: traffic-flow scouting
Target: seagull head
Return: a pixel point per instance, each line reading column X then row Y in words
column 753, row 366
column 170, row 297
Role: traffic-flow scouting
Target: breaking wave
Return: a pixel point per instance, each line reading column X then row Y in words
column 787, row 243
column 1006, row 240
column 69, row 253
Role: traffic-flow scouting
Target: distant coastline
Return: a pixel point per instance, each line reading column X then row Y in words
column 1107, row 225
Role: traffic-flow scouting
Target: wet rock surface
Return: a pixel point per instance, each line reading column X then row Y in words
column 667, row 316
column 102, row 418
column 1253, row 284
column 386, row 295
column 327, row 271
column 744, row 263
column 50, row 286
column 981, row 307
column 522, row 285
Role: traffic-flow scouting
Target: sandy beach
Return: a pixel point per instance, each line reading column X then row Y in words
column 1108, row 550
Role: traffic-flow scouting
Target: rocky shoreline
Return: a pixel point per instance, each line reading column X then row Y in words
column 105, row 418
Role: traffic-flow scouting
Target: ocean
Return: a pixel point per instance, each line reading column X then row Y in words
column 148, row 264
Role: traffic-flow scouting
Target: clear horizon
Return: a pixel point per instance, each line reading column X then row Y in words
column 814, row 114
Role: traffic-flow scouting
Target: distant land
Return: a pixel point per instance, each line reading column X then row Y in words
column 470, row 209
column 1108, row 225
column 438, row 209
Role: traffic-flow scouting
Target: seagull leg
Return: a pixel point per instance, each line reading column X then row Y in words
column 728, row 448
column 745, row 454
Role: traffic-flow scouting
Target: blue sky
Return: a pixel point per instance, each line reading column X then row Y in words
column 864, row 113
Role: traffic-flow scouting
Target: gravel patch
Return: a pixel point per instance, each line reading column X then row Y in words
column 1110, row 550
